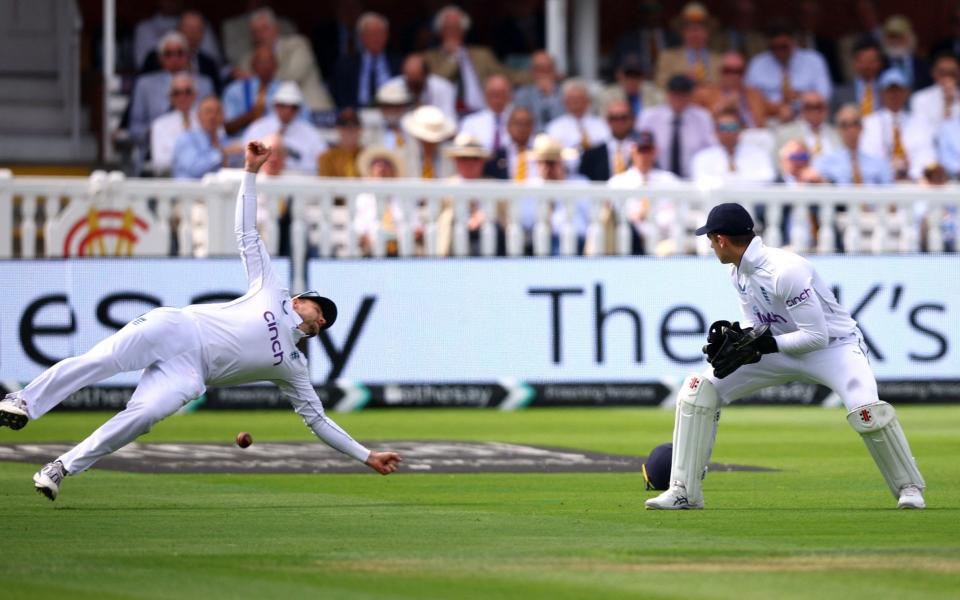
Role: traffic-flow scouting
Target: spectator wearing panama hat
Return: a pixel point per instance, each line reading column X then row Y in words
column 694, row 57
column 469, row 156
column 394, row 101
column 380, row 162
column 430, row 128
column 467, row 147
column 552, row 166
column 378, row 233
column 302, row 140
column 900, row 52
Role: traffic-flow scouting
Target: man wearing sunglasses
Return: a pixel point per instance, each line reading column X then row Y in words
column 603, row 161
column 150, row 97
column 733, row 159
column 166, row 128
column 181, row 351
column 811, row 126
column 849, row 164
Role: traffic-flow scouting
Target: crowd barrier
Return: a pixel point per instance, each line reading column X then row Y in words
column 110, row 215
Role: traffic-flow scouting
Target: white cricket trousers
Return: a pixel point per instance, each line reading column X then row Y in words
column 165, row 343
column 843, row 367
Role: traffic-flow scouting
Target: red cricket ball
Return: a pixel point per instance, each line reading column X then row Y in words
column 244, row 439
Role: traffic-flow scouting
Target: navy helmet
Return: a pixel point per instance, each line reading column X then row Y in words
column 327, row 306
column 656, row 469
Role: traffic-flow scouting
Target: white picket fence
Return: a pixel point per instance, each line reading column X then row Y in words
column 69, row 216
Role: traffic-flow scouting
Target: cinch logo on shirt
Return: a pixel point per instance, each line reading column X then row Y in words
column 798, row 299
column 274, row 334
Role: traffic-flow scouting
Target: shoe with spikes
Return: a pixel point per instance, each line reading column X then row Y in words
column 13, row 411
column 47, row 480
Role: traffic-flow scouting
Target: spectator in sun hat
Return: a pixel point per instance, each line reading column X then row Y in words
column 900, row 51
column 469, row 156
column 430, row 129
column 394, row 100
column 694, row 57
column 569, row 218
column 377, row 232
column 302, row 140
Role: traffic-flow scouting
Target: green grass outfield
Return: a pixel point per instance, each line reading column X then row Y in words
column 824, row 526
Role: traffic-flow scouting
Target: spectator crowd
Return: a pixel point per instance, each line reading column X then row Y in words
column 700, row 101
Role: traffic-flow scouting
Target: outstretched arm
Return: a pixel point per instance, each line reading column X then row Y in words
column 308, row 405
column 256, row 261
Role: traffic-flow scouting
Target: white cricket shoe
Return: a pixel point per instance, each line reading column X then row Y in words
column 674, row 498
column 910, row 497
column 13, row 411
column 47, row 480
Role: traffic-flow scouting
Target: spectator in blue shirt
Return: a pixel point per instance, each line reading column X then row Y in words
column 150, row 97
column 203, row 150
column 246, row 100
column 784, row 72
column 847, row 164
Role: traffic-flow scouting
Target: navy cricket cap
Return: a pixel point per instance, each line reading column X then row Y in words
column 656, row 469
column 728, row 218
column 326, row 305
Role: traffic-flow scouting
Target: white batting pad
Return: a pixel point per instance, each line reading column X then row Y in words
column 877, row 424
column 694, row 431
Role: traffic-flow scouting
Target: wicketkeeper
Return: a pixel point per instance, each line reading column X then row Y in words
column 792, row 329
column 181, row 351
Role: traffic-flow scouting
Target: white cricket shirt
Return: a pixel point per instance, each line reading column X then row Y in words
column 253, row 338
column 783, row 289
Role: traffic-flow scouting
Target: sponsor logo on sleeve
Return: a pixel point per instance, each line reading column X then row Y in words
column 768, row 317
column 791, row 302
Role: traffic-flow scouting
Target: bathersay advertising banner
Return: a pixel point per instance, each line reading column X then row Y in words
column 492, row 332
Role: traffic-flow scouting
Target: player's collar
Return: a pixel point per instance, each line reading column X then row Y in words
column 296, row 332
column 752, row 256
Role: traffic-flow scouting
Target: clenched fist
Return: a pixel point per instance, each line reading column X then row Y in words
column 257, row 154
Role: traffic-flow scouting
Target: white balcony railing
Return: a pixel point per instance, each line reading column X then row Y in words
column 69, row 216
